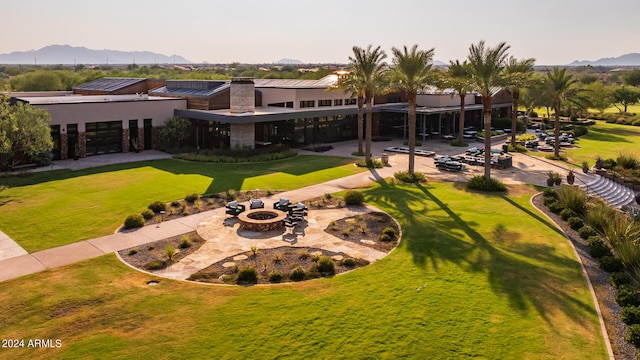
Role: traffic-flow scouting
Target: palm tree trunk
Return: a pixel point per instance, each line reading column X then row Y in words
column 461, row 120
column 367, row 133
column 514, row 115
column 411, row 99
column 556, row 130
column 360, row 124
column 486, row 111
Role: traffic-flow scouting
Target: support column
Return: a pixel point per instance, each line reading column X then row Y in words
column 82, row 143
column 242, row 135
column 64, row 146
column 125, row 140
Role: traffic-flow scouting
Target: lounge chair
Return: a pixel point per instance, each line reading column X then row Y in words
column 282, row 204
column 256, row 204
column 235, row 209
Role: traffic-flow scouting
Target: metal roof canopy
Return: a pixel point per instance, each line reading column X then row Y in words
column 109, row 84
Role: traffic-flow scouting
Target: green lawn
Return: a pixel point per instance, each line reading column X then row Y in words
column 476, row 276
column 607, row 141
column 50, row 209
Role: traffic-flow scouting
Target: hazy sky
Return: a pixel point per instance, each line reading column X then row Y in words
column 554, row 32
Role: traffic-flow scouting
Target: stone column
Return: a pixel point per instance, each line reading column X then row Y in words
column 125, row 140
column 64, row 146
column 242, row 135
column 82, row 143
column 141, row 138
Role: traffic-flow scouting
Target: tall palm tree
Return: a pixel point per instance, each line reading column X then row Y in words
column 486, row 66
column 518, row 73
column 411, row 73
column 558, row 86
column 459, row 79
column 370, row 71
column 352, row 85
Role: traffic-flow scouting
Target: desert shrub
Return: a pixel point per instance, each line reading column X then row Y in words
column 231, row 195
column 565, row 214
column 353, row 197
column 459, row 143
column 248, row 275
column 627, row 161
column 326, row 265
column 406, row 177
column 390, row 231
column 620, row 278
column 550, row 193
column 170, row 253
column 313, row 272
column 157, row 206
column 175, row 204
column 185, row 242
column 297, row 274
column 556, row 207
column 133, row 221
column 599, row 215
column 190, row 198
column 633, row 335
column 630, row 315
column 154, row 265
column 133, row 251
column 385, row 238
column 574, row 222
column 574, row 198
column 147, row 214
column 480, row 183
column 548, row 200
column 349, row 262
column 610, row 264
column 580, row 130
column 275, row 276
column 627, row 296
column 304, row 254
column 597, row 247
column 587, row 231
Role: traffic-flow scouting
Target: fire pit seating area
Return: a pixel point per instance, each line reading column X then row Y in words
column 256, row 204
column 235, row 209
column 282, row 205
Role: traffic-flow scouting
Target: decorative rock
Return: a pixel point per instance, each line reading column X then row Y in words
column 337, row 257
column 368, row 242
column 229, row 264
column 239, row 257
column 316, row 253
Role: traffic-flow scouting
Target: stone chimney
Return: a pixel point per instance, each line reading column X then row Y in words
column 243, row 96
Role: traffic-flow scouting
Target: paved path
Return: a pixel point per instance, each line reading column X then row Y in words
column 16, row 262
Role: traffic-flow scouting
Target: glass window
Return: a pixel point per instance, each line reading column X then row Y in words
column 337, row 102
column 307, row 103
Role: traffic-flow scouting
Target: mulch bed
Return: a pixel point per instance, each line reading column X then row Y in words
column 143, row 255
column 365, row 230
column 605, row 293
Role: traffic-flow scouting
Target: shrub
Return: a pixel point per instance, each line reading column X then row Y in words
column 547, row 200
column 303, row 255
column 390, row 231
column 326, row 265
column 574, row 222
column 459, row 143
column 190, row 198
column 231, row 195
column 599, row 215
column 585, row 167
column 157, row 206
column 248, row 275
column 565, row 214
column 633, row 335
column 170, row 253
column 154, row 265
column 349, row 262
column 597, row 247
column 550, row 193
column 630, row 315
column 133, row 251
column 406, row 177
column 354, row 198
column 556, row 207
column 627, row 296
column 372, row 164
column 627, row 161
column 185, row 242
column 587, row 231
column 133, row 221
column 175, row 204
column 385, row 238
column 275, row 276
column 297, row 274
column 610, row 264
column 620, row 278
column 574, row 198
column 480, row 183
column 147, row 214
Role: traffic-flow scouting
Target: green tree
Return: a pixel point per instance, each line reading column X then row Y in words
column 557, row 87
column 486, row 67
column 175, row 131
column 599, row 95
column 369, row 68
column 623, row 96
column 24, row 132
column 632, row 78
column 518, row 74
column 411, row 73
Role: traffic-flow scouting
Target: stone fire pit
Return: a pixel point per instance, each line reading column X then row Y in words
column 260, row 220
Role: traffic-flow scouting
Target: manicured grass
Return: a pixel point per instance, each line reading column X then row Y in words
column 50, row 209
column 475, row 275
column 607, row 141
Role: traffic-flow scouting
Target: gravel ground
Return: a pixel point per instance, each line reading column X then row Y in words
column 605, row 293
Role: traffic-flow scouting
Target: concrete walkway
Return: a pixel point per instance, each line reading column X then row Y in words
column 526, row 169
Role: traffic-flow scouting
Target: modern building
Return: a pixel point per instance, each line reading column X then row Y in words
column 114, row 114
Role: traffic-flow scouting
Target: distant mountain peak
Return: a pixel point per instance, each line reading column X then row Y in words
column 67, row 54
column 631, row 59
column 286, row 61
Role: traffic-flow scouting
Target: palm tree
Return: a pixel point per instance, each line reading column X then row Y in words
column 412, row 72
column 518, row 73
column 459, row 79
column 558, row 86
column 352, row 85
column 370, row 71
column 486, row 66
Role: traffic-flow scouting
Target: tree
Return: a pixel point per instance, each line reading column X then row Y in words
column 632, row 78
column 353, row 85
column 412, row 72
column 459, row 79
column 370, row 71
column 624, row 96
column 599, row 95
column 175, row 131
column 518, row 74
column 486, row 67
column 558, row 86
column 24, row 133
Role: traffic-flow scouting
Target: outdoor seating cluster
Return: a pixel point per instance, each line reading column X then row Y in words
column 295, row 213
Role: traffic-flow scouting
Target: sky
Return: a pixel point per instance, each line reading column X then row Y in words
column 554, row 32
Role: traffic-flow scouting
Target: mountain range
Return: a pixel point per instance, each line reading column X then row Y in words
column 632, row 59
column 66, row 54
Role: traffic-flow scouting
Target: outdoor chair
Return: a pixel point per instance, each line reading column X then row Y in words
column 235, row 209
column 282, row 204
column 298, row 211
column 256, row 204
